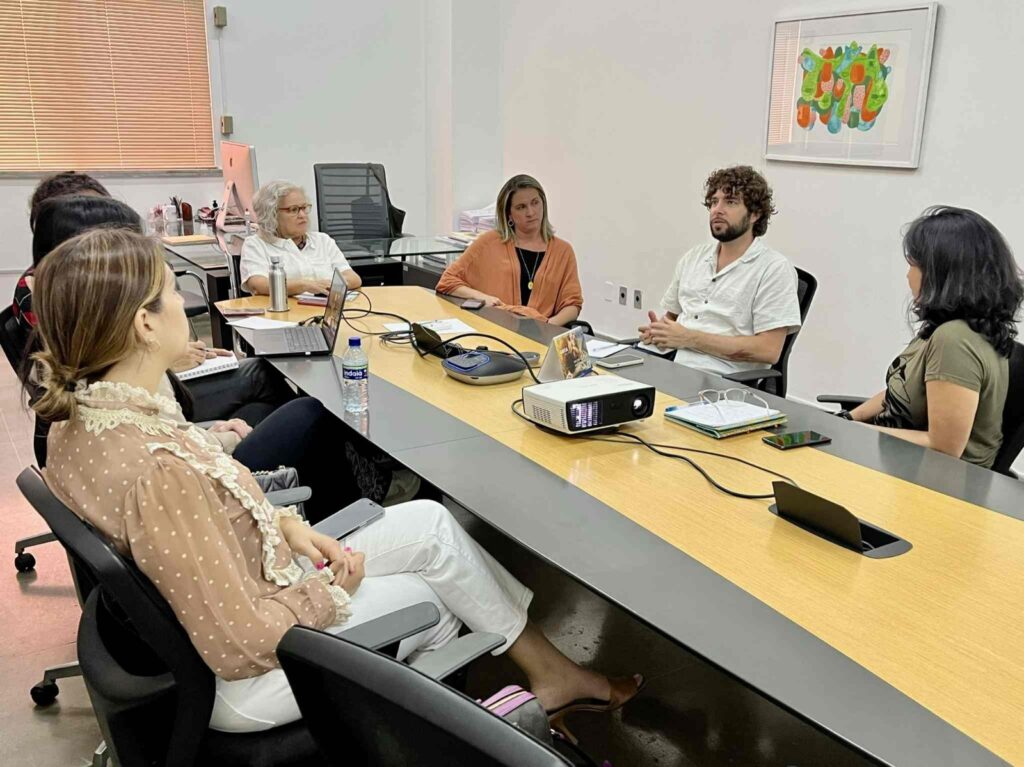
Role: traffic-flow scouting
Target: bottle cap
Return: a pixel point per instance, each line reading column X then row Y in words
column 275, row 259
column 354, row 341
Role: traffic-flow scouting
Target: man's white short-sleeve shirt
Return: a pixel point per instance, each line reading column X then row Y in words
column 755, row 293
column 316, row 261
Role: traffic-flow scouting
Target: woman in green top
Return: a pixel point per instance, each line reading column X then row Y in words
column 947, row 389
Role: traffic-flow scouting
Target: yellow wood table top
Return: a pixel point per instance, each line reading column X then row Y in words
column 943, row 623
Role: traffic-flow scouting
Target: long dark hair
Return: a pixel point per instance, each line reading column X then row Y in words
column 61, row 218
column 967, row 273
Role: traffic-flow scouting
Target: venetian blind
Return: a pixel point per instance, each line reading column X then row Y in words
column 104, row 84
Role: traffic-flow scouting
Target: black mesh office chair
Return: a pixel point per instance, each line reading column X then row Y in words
column 392, row 715
column 352, row 202
column 774, row 380
column 1013, row 413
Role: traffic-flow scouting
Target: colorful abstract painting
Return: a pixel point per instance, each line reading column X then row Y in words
column 843, row 86
column 851, row 88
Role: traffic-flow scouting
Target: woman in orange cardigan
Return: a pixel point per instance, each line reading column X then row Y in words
column 522, row 266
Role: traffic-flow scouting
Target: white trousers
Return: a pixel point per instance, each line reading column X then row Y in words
column 416, row 553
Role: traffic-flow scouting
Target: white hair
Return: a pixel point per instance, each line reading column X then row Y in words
column 265, row 203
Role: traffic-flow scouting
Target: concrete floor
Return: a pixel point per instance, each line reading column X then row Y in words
column 689, row 713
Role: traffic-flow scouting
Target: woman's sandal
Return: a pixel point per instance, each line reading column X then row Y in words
column 623, row 689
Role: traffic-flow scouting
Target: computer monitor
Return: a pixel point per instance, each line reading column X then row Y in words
column 241, row 181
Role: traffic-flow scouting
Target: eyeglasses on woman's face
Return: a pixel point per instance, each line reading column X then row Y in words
column 295, row 210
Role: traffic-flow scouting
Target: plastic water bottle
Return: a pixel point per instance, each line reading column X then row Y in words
column 355, row 371
column 278, row 286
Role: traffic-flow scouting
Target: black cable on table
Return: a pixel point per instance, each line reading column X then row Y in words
column 660, row 449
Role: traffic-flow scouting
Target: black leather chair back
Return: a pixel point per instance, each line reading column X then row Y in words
column 13, row 339
column 392, row 714
column 352, row 201
column 151, row 691
column 1013, row 414
column 807, row 286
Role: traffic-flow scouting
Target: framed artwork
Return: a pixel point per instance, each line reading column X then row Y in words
column 850, row 88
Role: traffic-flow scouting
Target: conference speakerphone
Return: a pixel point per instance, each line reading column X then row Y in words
column 587, row 404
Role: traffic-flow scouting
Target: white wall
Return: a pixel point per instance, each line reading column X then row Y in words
column 621, row 110
column 323, row 81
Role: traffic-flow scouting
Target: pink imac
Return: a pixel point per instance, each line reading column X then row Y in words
column 238, row 162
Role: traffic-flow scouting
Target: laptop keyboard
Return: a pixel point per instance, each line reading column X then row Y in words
column 304, row 339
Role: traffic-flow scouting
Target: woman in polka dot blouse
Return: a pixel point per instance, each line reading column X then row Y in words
column 238, row 572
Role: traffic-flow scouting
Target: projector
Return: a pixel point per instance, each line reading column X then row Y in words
column 588, row 403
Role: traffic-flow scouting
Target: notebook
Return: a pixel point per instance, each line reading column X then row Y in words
column 210, row 367
column 724, row 418
column 189, row 239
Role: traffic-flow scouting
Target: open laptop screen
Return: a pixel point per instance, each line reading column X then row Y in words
column 335, row 305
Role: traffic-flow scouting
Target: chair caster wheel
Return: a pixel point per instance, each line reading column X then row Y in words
column 44, row 694
column 24, row 562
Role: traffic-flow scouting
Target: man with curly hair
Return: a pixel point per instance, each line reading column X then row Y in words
column 733, row 300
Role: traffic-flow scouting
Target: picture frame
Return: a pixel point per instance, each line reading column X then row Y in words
column 850, row 88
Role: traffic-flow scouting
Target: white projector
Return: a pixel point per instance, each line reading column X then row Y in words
column 587, row 404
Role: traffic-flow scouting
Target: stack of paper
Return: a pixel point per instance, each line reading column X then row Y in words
column 480, row 220
column 598, row 350
column 210, row 367
column 445, row 327
column 461, row 239
column 724, row 418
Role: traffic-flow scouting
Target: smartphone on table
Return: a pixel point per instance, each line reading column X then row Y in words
column 472, row 303
column 792, row 439
column 242, row 312
column 620, row 361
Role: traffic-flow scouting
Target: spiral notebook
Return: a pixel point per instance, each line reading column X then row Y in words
column 210, row 367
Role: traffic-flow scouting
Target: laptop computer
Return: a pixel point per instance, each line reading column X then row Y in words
column 306, row 340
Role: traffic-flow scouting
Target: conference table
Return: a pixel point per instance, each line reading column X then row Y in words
column 913, row 660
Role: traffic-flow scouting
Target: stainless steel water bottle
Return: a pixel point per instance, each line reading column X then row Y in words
column 278, row 286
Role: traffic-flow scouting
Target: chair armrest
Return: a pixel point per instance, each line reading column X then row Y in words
column 394, row 627
column 753, row 376
column 289, row 496
column 445, row 661
column 844, row 401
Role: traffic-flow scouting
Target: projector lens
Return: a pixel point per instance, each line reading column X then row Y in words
column 641, row 407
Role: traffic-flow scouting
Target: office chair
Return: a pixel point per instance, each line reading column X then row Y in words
column 196, row 304
column 1013, row 413
column 233, row 260
column 352, row 202
column 15, row 343
column 394, row 715
column 774, row 380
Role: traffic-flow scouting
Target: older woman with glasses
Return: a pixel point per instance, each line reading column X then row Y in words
column 308, row 258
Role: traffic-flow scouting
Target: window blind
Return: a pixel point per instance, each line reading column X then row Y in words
column 104, row 85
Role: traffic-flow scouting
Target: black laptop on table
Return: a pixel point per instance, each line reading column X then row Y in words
column 306, row 340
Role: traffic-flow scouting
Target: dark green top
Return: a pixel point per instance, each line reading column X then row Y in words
column 957, row 354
